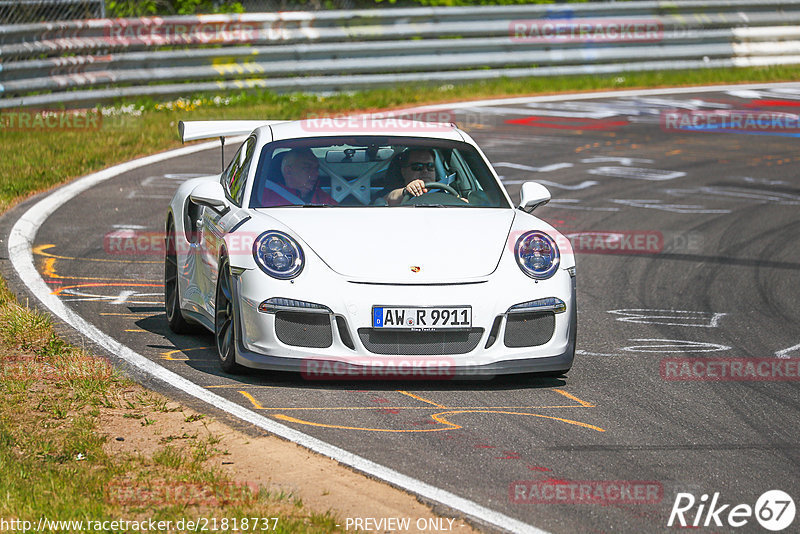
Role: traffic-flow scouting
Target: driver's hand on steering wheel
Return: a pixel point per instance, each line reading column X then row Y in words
column 416, row 188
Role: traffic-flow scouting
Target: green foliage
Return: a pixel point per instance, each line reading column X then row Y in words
column 445, row 3
column 144, row 8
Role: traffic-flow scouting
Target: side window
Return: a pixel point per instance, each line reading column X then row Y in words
column 235, row 177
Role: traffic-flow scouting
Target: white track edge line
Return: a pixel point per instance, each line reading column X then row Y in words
column 20, row 241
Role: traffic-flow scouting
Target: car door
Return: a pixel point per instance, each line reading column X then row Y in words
column 216, row 225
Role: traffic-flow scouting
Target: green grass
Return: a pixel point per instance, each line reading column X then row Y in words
column 52, row 460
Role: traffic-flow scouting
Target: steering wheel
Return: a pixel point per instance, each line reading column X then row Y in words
column 432, row 185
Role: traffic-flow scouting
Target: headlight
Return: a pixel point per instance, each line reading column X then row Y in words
column 537, row 255
column 278, row 255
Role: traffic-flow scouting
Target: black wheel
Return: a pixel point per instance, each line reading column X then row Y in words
column 224, row 326
column 175, row 319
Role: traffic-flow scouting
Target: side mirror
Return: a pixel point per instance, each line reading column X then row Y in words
column 211, row 195
column 532, row 196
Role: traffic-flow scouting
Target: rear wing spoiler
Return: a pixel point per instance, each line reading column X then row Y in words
column 193, row 130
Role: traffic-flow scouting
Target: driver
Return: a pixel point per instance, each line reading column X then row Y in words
column 416, row 166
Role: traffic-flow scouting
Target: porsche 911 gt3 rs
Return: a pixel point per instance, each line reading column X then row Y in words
column 313, row 250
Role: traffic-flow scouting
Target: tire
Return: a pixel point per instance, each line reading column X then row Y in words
column 175, row 319
column 225, row 322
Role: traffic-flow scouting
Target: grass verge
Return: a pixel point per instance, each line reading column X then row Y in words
column 53, row 460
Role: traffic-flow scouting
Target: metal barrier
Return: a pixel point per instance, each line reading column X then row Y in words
column 88, row 61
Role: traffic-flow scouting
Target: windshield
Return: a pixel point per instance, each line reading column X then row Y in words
column 374, row 171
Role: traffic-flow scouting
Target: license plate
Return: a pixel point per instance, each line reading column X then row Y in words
column 428, row 318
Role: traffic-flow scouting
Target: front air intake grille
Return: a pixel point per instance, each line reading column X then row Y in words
column 300, row 329
column 396, row 342
column 529, row 329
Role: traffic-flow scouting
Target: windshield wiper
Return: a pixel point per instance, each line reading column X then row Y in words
column 317, row 205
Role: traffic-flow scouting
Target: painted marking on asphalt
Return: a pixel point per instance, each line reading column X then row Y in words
column 356, row 408
column 439, row 418
column 576, row 399
column 49, row 270
column 123, row 296
column 421, row 399
column 141, row 315
column 637, row 173
column 40, row 251
column 669, row 317
column 252, row 400
column 674, row 346
column 761, row 195
column 764, row 181
column 289, row 419
column 521, row 167
column 785, row 352
column 168, row 355
column 587, row 353
column 674, row 208
column 583, row 185
column 574, row 204
column 569, row 123
column 237, row 385
column 626, row 162
column 81, row 296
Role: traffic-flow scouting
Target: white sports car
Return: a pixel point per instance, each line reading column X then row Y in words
column 369, row 249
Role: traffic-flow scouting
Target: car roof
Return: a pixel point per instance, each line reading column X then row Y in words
column 363, row 125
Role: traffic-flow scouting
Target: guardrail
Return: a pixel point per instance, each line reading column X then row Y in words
column 88, row 61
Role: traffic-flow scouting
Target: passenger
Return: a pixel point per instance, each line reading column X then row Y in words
column 297, row 183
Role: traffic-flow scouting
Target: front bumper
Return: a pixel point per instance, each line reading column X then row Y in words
column 350, row 304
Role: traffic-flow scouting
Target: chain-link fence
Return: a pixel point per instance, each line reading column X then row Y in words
column 27, row 11
column 24, row 11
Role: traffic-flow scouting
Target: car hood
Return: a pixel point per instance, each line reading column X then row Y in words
column 403, row 245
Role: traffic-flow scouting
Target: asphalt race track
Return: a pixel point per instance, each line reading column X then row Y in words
column 688, row 244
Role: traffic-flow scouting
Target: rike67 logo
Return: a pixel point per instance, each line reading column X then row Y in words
column 774, row 510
